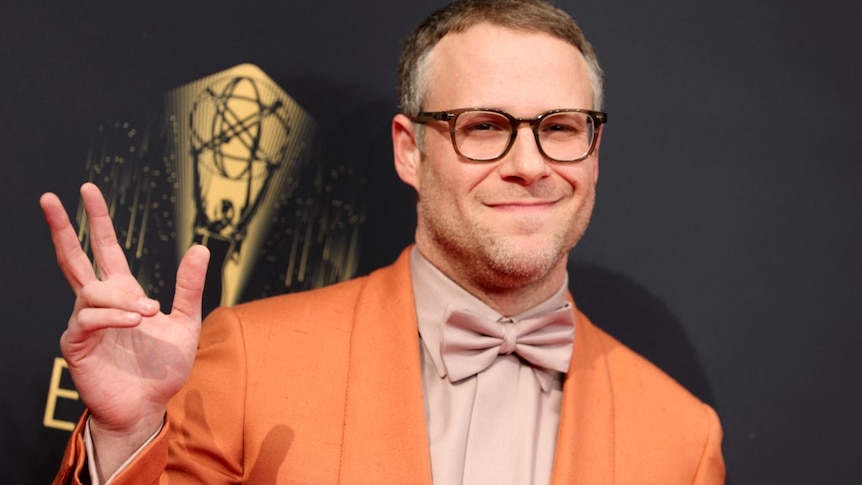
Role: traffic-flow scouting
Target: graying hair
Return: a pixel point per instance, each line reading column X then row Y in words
column 526, row 15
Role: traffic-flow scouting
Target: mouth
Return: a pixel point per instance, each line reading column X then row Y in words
column 522, row 205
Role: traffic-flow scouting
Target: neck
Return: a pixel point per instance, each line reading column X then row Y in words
column 506, row 293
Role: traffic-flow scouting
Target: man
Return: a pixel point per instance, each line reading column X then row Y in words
column 464, row 362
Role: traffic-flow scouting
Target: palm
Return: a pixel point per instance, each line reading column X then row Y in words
column 123, row 373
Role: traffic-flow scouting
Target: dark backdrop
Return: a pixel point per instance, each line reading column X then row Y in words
column 725, row 244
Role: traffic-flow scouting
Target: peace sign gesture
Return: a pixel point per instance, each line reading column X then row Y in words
column 126, row 357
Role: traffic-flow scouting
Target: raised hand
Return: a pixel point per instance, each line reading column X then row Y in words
column 126, row 357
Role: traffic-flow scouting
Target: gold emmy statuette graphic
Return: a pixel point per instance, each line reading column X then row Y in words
column 239, row 141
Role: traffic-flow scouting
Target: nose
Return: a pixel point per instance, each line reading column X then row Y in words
column 524, row 163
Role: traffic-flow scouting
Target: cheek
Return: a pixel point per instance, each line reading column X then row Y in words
column 581, row 177
column 448, row 176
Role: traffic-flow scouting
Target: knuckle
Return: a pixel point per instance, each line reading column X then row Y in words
column 89, row 292
column 105, row 240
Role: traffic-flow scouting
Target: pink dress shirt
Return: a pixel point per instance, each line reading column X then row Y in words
column 498, row 426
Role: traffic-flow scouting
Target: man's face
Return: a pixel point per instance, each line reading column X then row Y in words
column 508, row 223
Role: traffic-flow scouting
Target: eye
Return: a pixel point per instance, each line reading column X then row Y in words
column 565, row 125
column 484, row 126
column 482, row 123
column 558, row 127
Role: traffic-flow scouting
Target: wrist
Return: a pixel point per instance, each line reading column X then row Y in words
column 112, row 448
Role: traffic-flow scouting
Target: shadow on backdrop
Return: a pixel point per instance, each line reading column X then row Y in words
column 640, row 320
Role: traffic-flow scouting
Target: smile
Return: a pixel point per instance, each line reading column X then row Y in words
column 527, row 205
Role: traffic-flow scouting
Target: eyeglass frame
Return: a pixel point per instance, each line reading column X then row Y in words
column 450, row 116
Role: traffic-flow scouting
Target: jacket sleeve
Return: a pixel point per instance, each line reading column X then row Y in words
column 74, row 458
column 74, row 470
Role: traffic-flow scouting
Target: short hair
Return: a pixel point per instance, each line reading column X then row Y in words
column 458, row 16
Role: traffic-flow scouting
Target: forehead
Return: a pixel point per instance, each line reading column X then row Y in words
column 522, row 72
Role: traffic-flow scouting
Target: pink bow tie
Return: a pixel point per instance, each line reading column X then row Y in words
column 471, row 342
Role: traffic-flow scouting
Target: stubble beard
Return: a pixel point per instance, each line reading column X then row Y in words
column 485, row 259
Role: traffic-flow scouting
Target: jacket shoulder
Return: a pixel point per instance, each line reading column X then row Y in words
column 331, row 305
column 657, row 421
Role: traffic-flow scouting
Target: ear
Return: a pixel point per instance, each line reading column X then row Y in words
column 405, row 150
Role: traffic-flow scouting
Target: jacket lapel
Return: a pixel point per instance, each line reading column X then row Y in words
column 585, row 441
column 385, row 436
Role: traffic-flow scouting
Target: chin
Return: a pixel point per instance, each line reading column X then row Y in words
column 523, row 264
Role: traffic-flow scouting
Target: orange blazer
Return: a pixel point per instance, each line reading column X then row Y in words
column 324, row 387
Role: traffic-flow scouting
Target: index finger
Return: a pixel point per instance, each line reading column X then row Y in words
column 73, row 262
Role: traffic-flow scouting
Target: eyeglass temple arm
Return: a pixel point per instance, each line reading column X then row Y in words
column 433, row 115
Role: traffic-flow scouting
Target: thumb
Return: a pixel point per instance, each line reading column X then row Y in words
column 191, row 276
